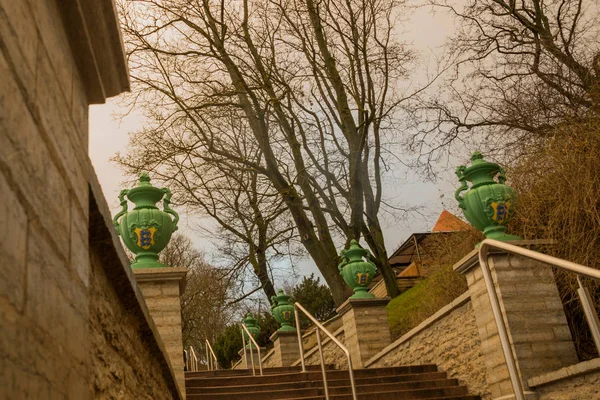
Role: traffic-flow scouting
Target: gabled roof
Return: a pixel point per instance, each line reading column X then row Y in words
column 409, row 251
column 448, row 222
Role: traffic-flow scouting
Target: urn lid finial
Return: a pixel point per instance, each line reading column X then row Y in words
column 476, row 156
column 144, row 179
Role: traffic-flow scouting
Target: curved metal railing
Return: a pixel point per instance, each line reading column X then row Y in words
column 320, row 327
column 244, row 328
column 580, row 270
column 211, row 359
column 191, row 360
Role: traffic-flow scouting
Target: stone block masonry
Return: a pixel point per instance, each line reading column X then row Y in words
column 331, row 352
column 366, row 328
column 44, row 209
column 162, row 289
column 533, row 312
column 285, row 348
column 73, row 323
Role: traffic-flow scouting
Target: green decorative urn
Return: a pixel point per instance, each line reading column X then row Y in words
column 146, row 230
column 488, row 205
column 357, row 270
column 253, row 328
column 283, row 311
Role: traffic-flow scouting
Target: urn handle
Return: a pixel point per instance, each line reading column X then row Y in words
column 344, row 261
column 460, row 172
column 168, row 209
column 123, row 211
column 502, row 175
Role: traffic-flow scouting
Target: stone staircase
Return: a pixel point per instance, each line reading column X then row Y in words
column 390, row 383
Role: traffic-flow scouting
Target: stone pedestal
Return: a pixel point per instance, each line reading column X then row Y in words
column 162, row 288
column 254, row 351
column 285, row 348
column 366, row 328
column 532, row 310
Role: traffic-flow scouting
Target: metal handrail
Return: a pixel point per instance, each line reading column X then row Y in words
column 192, row 360
column 211, row 359
column 320, row 327
column 588, row 307
column 244, row 328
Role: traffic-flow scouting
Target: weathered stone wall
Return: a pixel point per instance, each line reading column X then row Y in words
column 448, row 339
column 331, row 352
column 585, row 387
column 576, row 382
column 123, row 364
column 269, row 360
column 44, row 273
column 309, row 337
column 52, row 322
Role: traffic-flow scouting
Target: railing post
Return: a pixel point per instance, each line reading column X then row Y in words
column 320, row 327
column 300, row 346
column 325, row 388
column 590, row 312
column 252, row 343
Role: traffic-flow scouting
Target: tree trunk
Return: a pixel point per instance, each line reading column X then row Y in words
column 374, row 238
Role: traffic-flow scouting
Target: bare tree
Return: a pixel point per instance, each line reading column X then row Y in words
column 522, row 68
column 204, row 309
column 313, row 82
column 253, row 228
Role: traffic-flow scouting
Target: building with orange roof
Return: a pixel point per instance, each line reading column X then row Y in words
column 407, row 260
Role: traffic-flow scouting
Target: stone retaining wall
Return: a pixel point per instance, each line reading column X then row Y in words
column 69, row 328
column 125, row 363
column 331, row 352
column 448, row 339
column 268, row 360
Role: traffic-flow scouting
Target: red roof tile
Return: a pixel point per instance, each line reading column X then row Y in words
column 449, row 222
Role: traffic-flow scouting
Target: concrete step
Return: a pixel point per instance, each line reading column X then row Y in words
column 338, row 386
column 206, row 381
column 248, row 372
column 363, row 393
column 414, row 379
column 423, row 376
column 413, row 382
column 383, row 396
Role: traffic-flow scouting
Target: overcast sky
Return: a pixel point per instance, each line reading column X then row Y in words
column 426, row 31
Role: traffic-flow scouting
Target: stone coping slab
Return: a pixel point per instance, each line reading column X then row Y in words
column 162, row 275
column 94, row 34
column 472, row 259
column 277, row 334
column 565, row 373
column 362, row 303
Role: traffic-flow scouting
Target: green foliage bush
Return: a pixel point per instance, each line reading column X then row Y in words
column 441, row 284
column 227, row 345
column 316, row 298
column 423, row 300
